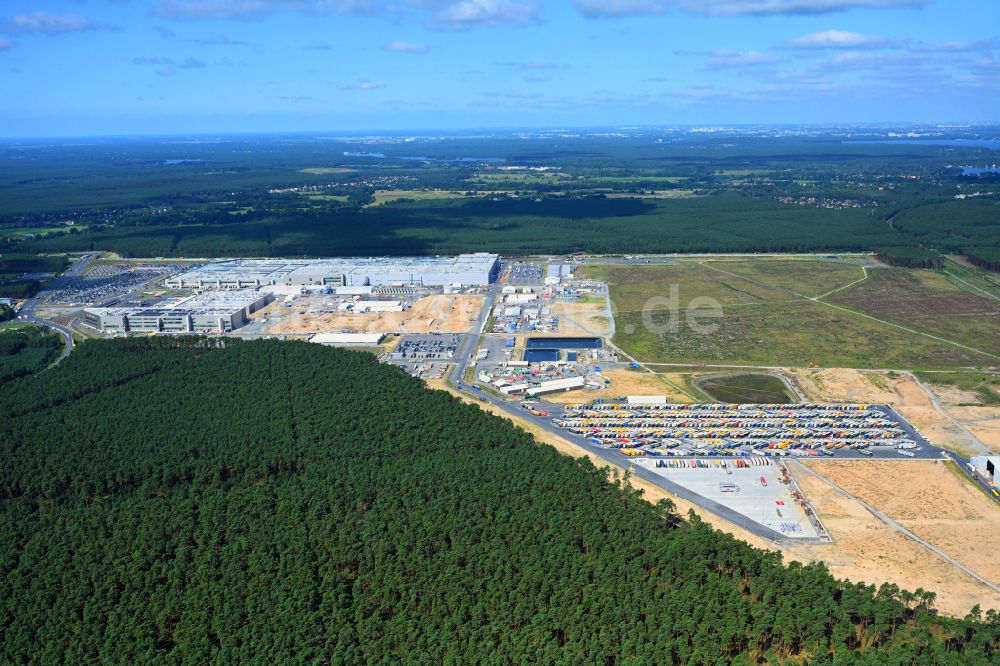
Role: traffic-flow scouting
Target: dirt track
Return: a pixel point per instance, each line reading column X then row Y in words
column 928, row 499
column 909, row 399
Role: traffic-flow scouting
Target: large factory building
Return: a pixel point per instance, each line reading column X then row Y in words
column 478, row 269
column 204, row 313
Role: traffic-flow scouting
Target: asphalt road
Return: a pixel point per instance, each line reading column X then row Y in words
column 28, row 311
column 926, row 450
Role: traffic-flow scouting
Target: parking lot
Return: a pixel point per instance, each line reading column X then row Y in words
column 523, row 275
column 665, row 430
column 757, row 492
column 107, row 282
column 416, row 348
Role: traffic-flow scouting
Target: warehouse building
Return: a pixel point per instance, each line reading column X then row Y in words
column 986, row 467
column 477, row 269
column 204, row 313
column 567, row 384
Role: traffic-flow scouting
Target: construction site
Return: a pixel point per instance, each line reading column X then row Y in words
column 311, row 313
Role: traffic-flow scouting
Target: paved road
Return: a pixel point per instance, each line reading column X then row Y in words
column 902, row 530
column 28, row 311
column 613, row 457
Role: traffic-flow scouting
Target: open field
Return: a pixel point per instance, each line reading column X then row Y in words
column 932, row 501
column 760, row 321
column 745, row 388
column 387, row 196
column 622, row 382
column 971, row 399
column 581, row 318
column 929, row 301
column 900, row 391
column 431, row 314
column 866, row 549
column 325, row 171
column 652, row 194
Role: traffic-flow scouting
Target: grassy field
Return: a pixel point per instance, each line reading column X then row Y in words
column 762, row 321
column 39, row 231
column 745, row 388
column 985, row 386
column 929, row 301
column 386, row 196
column 325, row 171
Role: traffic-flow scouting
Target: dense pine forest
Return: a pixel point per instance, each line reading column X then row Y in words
column 196, row 502
column 26, row 349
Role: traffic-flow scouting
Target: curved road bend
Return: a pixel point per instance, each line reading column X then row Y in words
column 28, row 310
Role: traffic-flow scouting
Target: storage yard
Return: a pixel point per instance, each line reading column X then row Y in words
column 811, row 430
column 754, row 488
column 320, row 313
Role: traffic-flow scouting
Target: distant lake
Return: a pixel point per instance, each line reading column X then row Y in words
column 978, row 171
column 963, row 143
column 172, row 162
column 378, row 155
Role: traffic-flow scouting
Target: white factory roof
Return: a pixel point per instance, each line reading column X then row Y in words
column 347, row 338
column 445, row 270
column 647, row 399
column 557, row 385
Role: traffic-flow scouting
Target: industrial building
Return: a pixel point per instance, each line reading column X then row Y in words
column 218, row 311
column 348, row 339
column 477, row 269
column 986, row 467
column 567, row 384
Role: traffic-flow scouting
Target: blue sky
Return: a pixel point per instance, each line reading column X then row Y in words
column 83, row 67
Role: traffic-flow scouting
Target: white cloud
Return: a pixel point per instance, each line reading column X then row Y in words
column 318, row 46
column 621, row 8
column 959, row 46
column 406, row 47
column 726, row 58
column 528, row 65
column 839, row 39
column 468, row 14
column 744, row 7
column 194, row 10
column 152, row 60
column 218, row 40
column 361, row 84
column 6, row 44
column 44, row 23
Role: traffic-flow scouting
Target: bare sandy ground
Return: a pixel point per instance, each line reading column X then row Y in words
column 902, row 392
column 581, row 318
column 623, row 382
column 982, row 420
column 442, row 313
column 866, row 550
column 930, row 499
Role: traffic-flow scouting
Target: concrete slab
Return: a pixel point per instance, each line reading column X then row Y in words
column 771, row 506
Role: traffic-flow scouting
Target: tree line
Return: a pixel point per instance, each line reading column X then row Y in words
column 204, row 501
